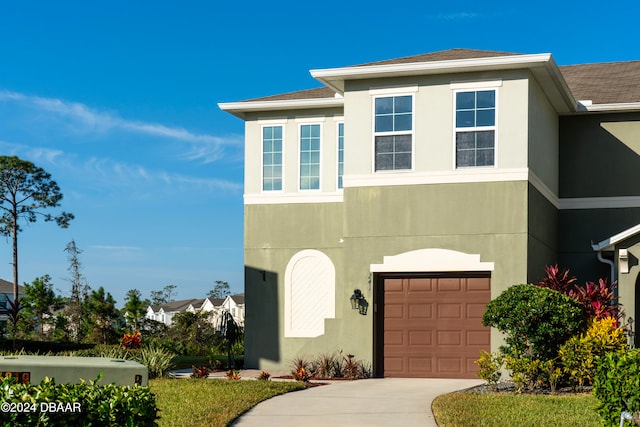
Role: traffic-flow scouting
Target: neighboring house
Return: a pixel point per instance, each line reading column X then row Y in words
column 430, row 184
column 6, row 295
column 234, row 304
column 164, row 312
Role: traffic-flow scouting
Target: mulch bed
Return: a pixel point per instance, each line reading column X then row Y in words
column 509, row 387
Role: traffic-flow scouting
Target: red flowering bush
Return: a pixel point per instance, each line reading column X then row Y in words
column 131, row 341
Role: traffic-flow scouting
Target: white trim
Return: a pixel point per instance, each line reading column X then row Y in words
column 622, row 106
column 610, row 243
column 600, row 202
column 310, row 120
column 474, row 84
column 285, row 198
column 466, row 175
column 262, row 190
column 393, row 90
column 239, row 108
column 338, row 118
column 544, row 190
column 431, row 260
column 271, row 122
column 320, row 154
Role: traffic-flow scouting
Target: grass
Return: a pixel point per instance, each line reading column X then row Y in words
column 213, row 402
column 502, row 410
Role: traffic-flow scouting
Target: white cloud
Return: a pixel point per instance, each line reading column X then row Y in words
column 203, row 147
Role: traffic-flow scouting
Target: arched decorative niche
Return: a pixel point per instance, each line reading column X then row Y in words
column 309, row 293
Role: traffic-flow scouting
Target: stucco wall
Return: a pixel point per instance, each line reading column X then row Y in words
column 543, row 137
column 600, row 155
column 489, row 219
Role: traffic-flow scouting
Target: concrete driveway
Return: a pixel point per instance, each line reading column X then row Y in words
column 373, row 402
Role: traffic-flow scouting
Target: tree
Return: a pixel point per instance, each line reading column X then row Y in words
column 231, row 333
column 220, row 290
column 102, row 314
column 39, row 299
column 25, row 190
column 79, row 292
column 164, row 296
column 134, row 308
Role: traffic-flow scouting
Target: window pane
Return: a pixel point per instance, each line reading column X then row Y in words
column 465, row 100
column 384, row 105
column 486, row 99
column 384, row 144
column 403, row 161
column 464, row 158
column 314, row 170
column 403, row 122
column 485, row 157
column 384, row 123
column 277, row 145
column 384, row 162
column 315, row 131
column 305, row 131
column 315, row 144
column 486, row 117
column 267, row 146
column 305, row 157
column 267, row 159
column 465, row 140
column 267, row 133
column 485, row 139
column 267, row 172
column 465, row 119
column 315, row 157
column 277, row 132
column 403, row 143
column 402, row 104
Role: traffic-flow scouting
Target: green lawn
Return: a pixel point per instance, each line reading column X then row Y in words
column 507, row 410
column 211, row 402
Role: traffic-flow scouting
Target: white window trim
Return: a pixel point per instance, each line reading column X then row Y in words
column 338, row 188
column 478, row 87
column 391, row 93
column 311, row 123
column 273, row 124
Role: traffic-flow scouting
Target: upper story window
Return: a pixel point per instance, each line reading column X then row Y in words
column 340, row 153
column 393, row 130
column 310, row 157
column 272, row 158
column 475, row 128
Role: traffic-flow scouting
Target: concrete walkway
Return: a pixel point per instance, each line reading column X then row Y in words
column 373, row 402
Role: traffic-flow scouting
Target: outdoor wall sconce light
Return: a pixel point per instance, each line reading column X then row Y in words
column 358, row 302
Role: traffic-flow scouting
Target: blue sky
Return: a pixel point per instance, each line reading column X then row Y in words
column 118, row 101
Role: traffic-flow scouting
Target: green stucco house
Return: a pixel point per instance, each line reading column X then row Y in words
column 430, row 184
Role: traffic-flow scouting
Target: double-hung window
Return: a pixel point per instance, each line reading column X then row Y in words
column 475, row 128
column 393, row 130
column 340, row 153
column 310, row 157
column 272, row 158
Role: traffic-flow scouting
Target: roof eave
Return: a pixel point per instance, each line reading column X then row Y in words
column 612, row 107
column 610, row 243
column 542, row 65
column 239, row 109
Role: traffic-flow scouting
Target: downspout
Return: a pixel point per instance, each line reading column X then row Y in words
column 612, row 264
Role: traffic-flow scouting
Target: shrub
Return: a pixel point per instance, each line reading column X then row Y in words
column 264, row 376
column 598, row 300
column 158, row 360
column 131, row 341
column 490, row 367
column 326, row 366
column 579, row 353
column 232, row 374
column 84, row 404
column 202, row 372
column 615, row 385
column 557, row 280
column 525, row 372
column 536, row 321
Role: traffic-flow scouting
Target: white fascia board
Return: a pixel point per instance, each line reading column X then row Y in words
column 612, row 108
column 239, row 108
column 334, row 77
column 610, row 243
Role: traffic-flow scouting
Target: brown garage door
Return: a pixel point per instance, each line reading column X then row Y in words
column 433, row 326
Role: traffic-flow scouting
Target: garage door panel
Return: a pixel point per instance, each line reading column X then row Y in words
column 433, row 326
column 420, row 310
column 449, row 311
